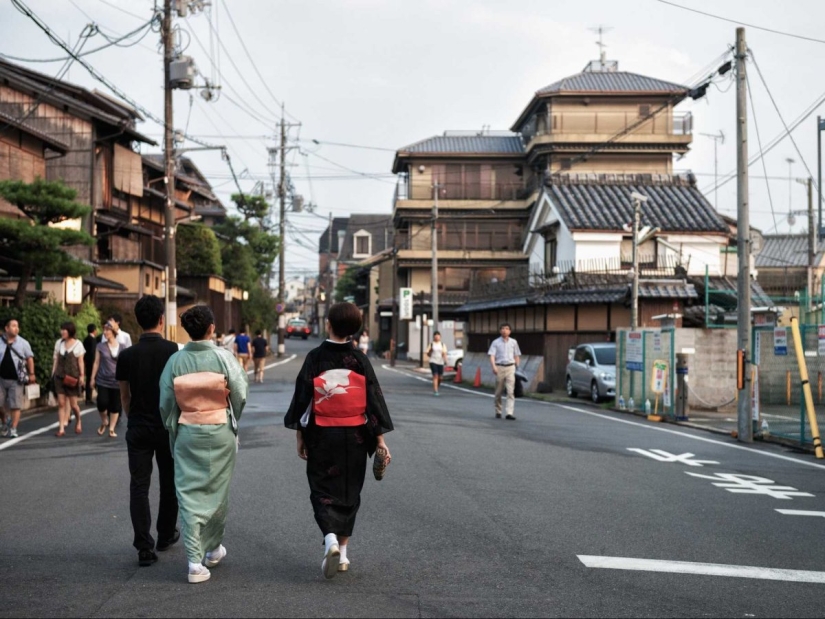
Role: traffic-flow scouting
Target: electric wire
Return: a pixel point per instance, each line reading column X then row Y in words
column 759, row 143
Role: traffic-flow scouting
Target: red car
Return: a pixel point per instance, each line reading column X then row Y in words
column 298, row 328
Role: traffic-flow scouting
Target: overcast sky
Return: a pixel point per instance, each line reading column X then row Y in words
column 384, row 74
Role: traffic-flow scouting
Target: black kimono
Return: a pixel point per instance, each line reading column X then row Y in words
column 337, row 455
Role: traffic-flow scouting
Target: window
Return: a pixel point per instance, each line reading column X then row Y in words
column 580, row 355
column 550, row 255
column 566, row 163
column 644, row 111
column 157, row 281
column 148, row 280
column 362, row 243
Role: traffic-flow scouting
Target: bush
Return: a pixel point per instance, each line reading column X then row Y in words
column 87, row 314
column 40, row 326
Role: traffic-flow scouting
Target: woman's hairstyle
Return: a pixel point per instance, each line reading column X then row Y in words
column 344, row 319
column 436, row 333
column 148, row 311
column 196, row 321
column 108, row 327
column 69, row 328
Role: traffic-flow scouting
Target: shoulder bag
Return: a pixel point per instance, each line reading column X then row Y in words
column 20, row 367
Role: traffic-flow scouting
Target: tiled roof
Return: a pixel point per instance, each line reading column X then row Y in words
column 379, row 228
column 611, row 82
column 786, row 250
column 603, row 203
column 584, row 295
column 667, row 290
column 723, row 292
column 484, row 304
column 482, row 144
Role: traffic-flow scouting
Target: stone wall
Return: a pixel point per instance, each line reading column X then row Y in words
column 711, row 367
column 532, row 366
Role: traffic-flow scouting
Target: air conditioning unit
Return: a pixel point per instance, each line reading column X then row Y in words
column 182, row 72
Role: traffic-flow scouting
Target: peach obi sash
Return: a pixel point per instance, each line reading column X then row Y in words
column 201, row 397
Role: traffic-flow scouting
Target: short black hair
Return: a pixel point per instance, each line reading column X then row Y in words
column 91, row 327
column 436, row 333
column 505, row 324
column 118, row 318
column 259, row 333
column 344, row 319
column 69, row 327
column 8, row 320
column 243, row 329
column 231, row 331
column 196, row 321
column 148, row 311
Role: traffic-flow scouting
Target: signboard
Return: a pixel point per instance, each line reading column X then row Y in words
column 405, row 304
column 279, row 308
column 657, row 341
column 447, row 324
column 658, row 378
column 780, row 342
column 227, row 294
column 755, row 392
column 74, row 290
column 634, row 351
column 821, row 334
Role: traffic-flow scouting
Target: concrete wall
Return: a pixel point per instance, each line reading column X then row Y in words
column 531, row 366
column 711, row 365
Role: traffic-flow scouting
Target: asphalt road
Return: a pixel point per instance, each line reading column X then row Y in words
column 476, row 517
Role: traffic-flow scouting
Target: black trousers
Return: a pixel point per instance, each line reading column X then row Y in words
column 88, row 368
column 143, row 444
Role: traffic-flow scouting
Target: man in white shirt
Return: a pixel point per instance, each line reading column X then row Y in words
column 123, row 338
column 504, row 357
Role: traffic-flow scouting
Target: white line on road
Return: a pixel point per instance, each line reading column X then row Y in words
column 429, row 381
column 43, row 430
column 801, row 512
column 703, row 569
column 641, row 426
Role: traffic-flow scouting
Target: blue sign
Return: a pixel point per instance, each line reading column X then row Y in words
column 780, row 342
column 634, row 351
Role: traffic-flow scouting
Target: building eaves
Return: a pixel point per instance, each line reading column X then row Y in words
column 611, row 82
column 462, row 146
column 786, row 250
column 52, row 143
column 493, row 304
column 667, row 290
column 604, row 203
column 583, row 296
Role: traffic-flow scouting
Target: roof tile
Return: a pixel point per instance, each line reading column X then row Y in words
column 611, row 81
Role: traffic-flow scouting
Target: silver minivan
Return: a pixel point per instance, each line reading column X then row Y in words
column 592, row 370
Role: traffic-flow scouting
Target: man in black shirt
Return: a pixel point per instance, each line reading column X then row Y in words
column 138, row 371
column 260, row 348
column 90, row 345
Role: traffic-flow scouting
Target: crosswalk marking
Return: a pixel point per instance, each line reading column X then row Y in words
column 801, row 512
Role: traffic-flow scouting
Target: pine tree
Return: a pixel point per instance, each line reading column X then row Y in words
column 39, row 247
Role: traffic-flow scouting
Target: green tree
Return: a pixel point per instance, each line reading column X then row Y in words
column 247, row 251
column 34, row 243
column 251, row 207
column 198, row 251
column 347, row 284
column 40, row 325
column 259, row 310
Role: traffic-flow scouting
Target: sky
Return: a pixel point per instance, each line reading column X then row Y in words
column 362, row 78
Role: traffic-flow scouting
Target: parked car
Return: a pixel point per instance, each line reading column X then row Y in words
column 592, row 370
column 454, row 358
column 297, row 327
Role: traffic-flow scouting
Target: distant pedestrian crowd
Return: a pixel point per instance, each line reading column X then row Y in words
column 183, row 407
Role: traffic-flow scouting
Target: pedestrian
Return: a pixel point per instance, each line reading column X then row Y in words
column 203, row 427
column 16, row 371
column 90, row 345
column 504, row 357
column 437, row 353
column 104, row 378
column 242, row 349
column 341, row 417
column 228, row 342
column 138, row 373
column 124, row 338
column 260, row 349
column 69, row 373
column 364, row 341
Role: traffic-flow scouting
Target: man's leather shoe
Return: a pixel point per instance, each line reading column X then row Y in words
column 163, row 546
column 146, row 558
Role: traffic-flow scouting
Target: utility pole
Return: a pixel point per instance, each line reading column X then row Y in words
column 169, row 178
column 395, row 293
column 434, row 232
column 819, row 127
column 743, row 328
column 811, row 243
column 282, row 233
column 634, row 291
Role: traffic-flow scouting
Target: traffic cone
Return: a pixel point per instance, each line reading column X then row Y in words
column 477, row 381
column 457, row 378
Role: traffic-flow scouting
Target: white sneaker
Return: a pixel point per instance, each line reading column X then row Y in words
column 329, row 566
column 215, row 557
column 12, row 432
column 198, row 573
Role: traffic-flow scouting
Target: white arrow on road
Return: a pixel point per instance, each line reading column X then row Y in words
column 801, row 512
column 661, row 455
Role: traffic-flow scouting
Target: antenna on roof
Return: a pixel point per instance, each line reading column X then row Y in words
column 600, row 30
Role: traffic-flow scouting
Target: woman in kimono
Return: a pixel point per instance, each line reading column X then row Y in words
column 340, row 416
column 202, row 424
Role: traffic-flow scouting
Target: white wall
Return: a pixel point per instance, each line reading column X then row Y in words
column 701, row 251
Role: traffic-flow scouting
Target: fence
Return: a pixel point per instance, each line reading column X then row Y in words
column 781, row 401
column 655, row 345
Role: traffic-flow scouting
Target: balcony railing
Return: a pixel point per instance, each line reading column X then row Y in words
column 499, row 191
column 602, row 123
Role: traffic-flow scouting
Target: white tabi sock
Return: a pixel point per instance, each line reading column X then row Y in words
column 330, row 539
column 344, row 554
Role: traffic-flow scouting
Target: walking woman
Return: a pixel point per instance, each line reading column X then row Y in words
column 202, row 394
column 68, row 372
column 340, row 416
column 104, row 380
column 437, row 353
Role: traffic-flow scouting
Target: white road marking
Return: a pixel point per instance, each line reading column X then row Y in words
column 801, row 512
column 43, row 430
column 661, row 455
column 702, row 569
column 751, row 484
column 656, row 427
column 28, row 435
column 429, row 381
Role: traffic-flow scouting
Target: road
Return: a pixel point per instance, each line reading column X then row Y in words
column 549, row 515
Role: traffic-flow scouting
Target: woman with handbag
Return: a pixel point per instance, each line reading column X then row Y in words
column 202, row 394
column 341, row 417
column 68, row 372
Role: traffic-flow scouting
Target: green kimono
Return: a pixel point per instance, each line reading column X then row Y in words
column 203, row 437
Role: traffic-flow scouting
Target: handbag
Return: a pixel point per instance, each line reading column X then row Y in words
column 70, row 381
column 22, row 371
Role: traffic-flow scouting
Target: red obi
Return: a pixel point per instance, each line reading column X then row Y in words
column 340, row 399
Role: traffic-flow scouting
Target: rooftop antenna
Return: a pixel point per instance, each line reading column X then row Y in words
column 601, row 30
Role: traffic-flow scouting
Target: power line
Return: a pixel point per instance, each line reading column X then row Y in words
column 759, row 143
column 122, row 10
column 741, row 23
column 325, row 143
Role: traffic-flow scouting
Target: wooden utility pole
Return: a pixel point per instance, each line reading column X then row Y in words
column 811, row 244
column 434, row 283
column 395, row 300
column 169, row 177
column 744, row 423
column 282, row 233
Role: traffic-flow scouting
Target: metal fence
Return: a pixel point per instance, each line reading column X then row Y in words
column 781, row 402
column 656, row 345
